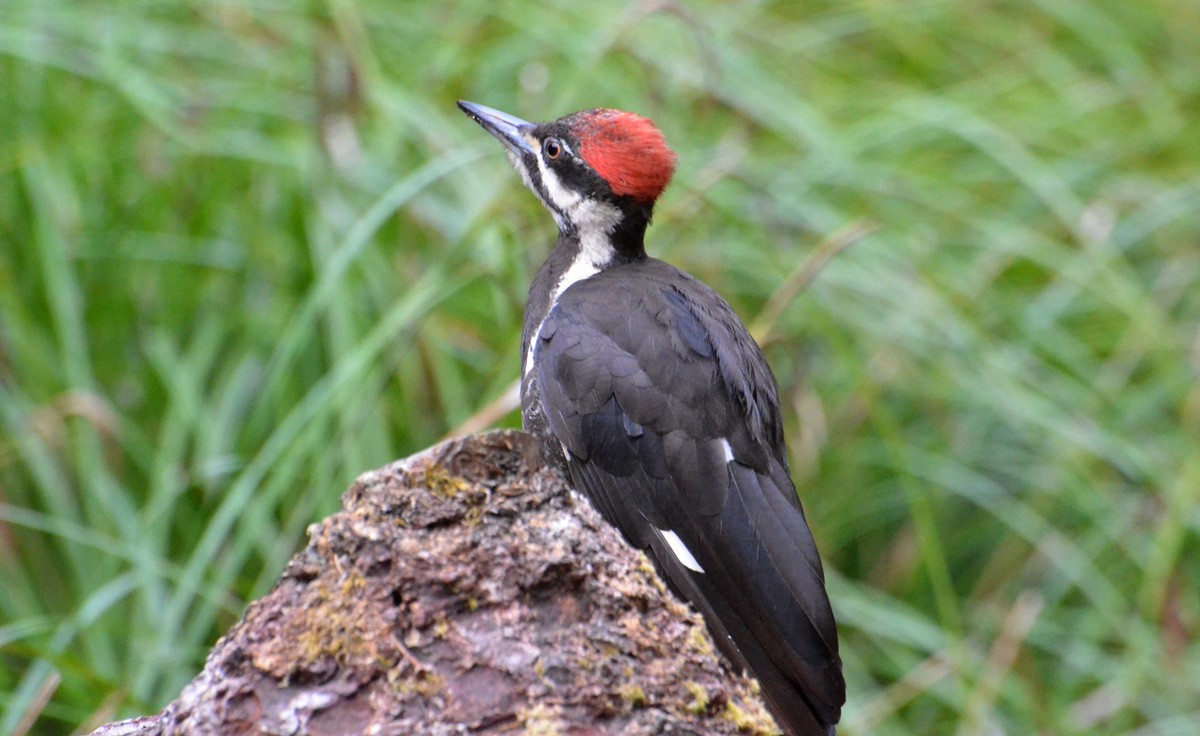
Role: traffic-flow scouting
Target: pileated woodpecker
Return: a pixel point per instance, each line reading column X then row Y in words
column 643, row 384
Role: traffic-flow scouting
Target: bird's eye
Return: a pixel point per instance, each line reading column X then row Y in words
column 552, row 148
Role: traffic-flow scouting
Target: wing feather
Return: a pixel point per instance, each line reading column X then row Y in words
column 647, row 392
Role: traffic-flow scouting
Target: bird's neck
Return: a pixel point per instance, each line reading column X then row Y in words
column 580, row 253
column 584, row 251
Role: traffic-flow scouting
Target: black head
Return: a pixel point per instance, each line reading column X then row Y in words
column 594, row 170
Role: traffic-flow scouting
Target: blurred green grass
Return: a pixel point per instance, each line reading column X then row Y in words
column 251, row 249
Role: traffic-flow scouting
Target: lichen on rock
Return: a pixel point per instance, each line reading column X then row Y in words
column 464, row 588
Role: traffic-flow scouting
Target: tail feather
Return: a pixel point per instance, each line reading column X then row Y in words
column 786, row 702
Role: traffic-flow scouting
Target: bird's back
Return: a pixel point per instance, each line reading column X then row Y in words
column 653, row 395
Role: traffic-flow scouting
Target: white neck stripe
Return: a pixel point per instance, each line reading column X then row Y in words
column 592, row 221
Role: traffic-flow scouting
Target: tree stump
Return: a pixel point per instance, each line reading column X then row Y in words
column 464, row 590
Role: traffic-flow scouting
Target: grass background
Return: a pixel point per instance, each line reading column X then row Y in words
column 251, row 249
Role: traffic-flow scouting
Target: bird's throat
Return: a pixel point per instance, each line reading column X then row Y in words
column 600, row 236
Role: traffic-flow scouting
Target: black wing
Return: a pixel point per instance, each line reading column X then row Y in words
column 669, row 419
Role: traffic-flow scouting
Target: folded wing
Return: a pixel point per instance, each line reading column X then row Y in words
column 669, row 418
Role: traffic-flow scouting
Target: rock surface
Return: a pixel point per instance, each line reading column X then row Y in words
column 464, row 590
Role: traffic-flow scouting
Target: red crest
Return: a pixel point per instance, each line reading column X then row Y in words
column 628, row 151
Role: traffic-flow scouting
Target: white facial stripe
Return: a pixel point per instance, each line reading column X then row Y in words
column 680, row 550
column 561, row 197
column 519, row 164
column 593, row 222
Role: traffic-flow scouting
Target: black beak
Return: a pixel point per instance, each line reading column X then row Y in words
column 508, row 130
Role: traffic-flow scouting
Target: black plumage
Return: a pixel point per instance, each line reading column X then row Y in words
column 647, row 389
column 642, row 372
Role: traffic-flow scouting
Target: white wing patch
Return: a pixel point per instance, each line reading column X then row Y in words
column 680, row 550
column 728, row 450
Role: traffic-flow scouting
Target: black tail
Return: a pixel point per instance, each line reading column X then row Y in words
column 763, row 598
column 785, row 698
